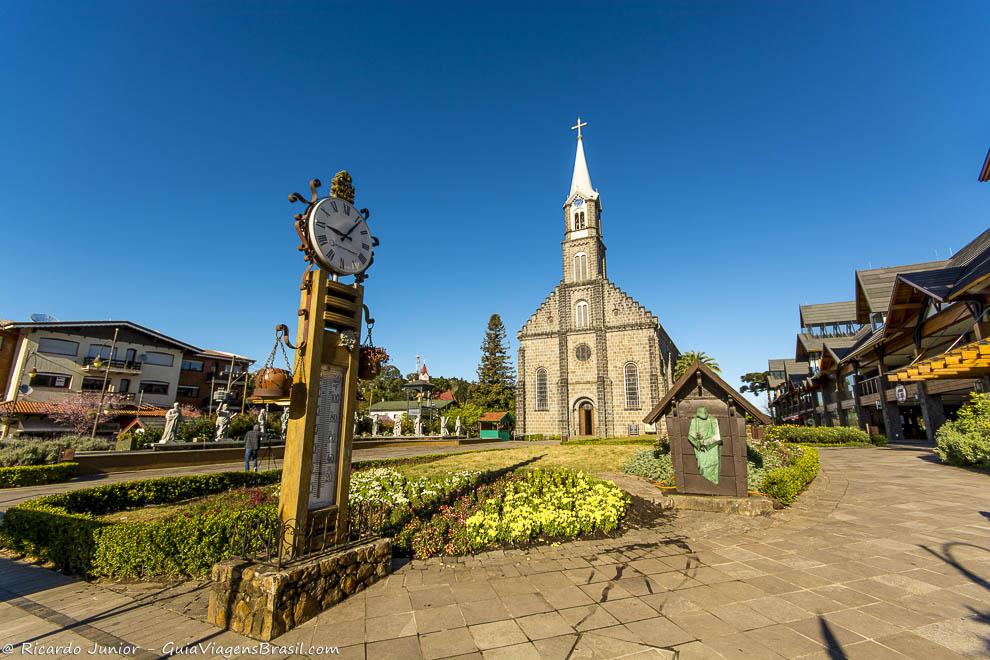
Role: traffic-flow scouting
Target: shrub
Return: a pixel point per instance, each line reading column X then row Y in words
column 966, row 440
column 33, row 451
column 878, row 440
column 64, row 528
column 817, row 434
column 785, row 483
column 34, row 475
column 651, row 464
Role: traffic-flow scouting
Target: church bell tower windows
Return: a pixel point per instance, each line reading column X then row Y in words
column 579, row 221
column 581, row 314
column 580, row 266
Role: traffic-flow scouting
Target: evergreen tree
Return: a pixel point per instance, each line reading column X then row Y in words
column 496, row 388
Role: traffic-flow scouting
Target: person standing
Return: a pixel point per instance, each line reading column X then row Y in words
column 252, row 442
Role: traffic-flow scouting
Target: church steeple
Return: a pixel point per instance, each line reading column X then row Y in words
column 584, row 251
column 580, row 179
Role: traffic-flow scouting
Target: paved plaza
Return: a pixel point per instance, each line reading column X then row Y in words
column 886, row 555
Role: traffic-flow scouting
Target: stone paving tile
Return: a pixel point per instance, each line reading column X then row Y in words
column 556, row 648
column 484, row 611
column 498, row 633
column 915, row 646
column 740, row 616
column 740, row 647
column 390, row 626
column 520, row 605
column 443, row 617
column 565, row 597
column 447, row 643
column 405, row 647
column 588, row 617
column 542, row 626
column 629, row 609
column 659, row 631
column 703, row 625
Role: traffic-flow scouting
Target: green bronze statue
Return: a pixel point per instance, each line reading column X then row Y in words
column 704, row 436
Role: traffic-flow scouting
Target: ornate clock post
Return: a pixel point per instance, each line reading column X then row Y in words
column 317, row 465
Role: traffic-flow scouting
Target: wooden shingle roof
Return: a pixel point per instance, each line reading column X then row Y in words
column 833, row 312
column 661, row 408
column 873, row 287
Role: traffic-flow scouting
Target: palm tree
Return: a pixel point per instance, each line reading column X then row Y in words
column 687, row 359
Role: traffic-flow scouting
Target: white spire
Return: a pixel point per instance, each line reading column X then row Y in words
column 581, row 179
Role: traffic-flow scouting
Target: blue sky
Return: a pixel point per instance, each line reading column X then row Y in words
column 750, row 156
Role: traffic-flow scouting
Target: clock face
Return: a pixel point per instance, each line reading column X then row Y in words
column 340, row 236
column 578, row 202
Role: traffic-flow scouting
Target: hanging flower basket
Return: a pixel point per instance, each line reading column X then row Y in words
column 272, row 383
column 371, row 361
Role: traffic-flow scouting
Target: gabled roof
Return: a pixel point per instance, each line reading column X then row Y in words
column 807, row 343
column 661, row 408
column 224, row 355
column 789, row 367
column 493, row 417
column 833, row 312
column 71, row 325
column 403, row 406
column 873, row 287
column 985, row 170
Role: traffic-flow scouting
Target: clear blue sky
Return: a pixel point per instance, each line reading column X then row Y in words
column 750, row 156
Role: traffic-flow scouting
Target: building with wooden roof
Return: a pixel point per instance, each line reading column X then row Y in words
column 923, row 347
column 48, row 361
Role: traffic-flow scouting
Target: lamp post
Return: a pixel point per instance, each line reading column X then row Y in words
column 106, row 379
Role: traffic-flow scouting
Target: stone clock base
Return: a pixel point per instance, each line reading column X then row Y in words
column 263, row 602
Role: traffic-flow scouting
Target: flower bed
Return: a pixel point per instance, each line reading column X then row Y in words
column 181, row 526
column 36, row 475
column 773, row 469
column 517, row 509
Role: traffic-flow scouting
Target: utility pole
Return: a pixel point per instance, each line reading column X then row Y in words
column 106, row 379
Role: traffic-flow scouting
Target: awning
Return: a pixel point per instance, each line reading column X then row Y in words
column 969, row 361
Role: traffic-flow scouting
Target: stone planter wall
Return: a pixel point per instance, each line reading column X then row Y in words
column 263, row 602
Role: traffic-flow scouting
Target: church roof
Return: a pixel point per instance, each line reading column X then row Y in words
column 581, row 178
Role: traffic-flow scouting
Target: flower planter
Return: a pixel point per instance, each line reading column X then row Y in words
column 370, row 363
column 271, row 383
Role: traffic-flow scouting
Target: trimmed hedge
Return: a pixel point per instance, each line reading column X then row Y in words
column 784, row 484
column 36, row 475
column 64, row 528
column 814, row 435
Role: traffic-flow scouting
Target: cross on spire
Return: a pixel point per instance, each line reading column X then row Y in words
column 578, row 126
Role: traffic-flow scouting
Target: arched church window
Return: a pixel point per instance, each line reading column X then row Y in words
column 578, row 220
column 631, row 372
column 542, row 397
column 580, row 266
column 581, row 314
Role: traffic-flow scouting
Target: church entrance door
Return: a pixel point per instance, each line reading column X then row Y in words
column 586, row 425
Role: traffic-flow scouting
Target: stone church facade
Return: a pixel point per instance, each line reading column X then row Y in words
column 592, row 361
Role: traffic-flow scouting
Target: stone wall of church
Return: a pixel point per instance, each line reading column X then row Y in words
column 536, row 353
column 638, row 347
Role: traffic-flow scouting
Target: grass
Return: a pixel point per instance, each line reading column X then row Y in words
column 594, row 458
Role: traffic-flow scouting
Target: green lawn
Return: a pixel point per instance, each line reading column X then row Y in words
column 594, row 458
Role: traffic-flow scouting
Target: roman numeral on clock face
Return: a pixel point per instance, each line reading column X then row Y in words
column 361, row 258
column 333, row 205
column 365, row 246
column 321, row 239
column 320, row 223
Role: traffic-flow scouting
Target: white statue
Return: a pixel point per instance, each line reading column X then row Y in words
column 397, row 429
column 419, row 424
column 263, row 420
column 172, row 420
column 285, row 423
column 374, row 425
column 223, row 421
column 457, row 427
column 443, row 427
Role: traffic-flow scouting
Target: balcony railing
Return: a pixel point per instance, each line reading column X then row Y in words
column 870, row 386
column 112, row 365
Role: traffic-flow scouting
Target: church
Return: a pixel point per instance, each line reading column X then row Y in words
column 592, row 360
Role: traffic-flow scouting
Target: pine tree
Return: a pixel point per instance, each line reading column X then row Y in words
column 496, row 388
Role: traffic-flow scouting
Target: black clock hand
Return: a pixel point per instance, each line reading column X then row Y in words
column 348, row 234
